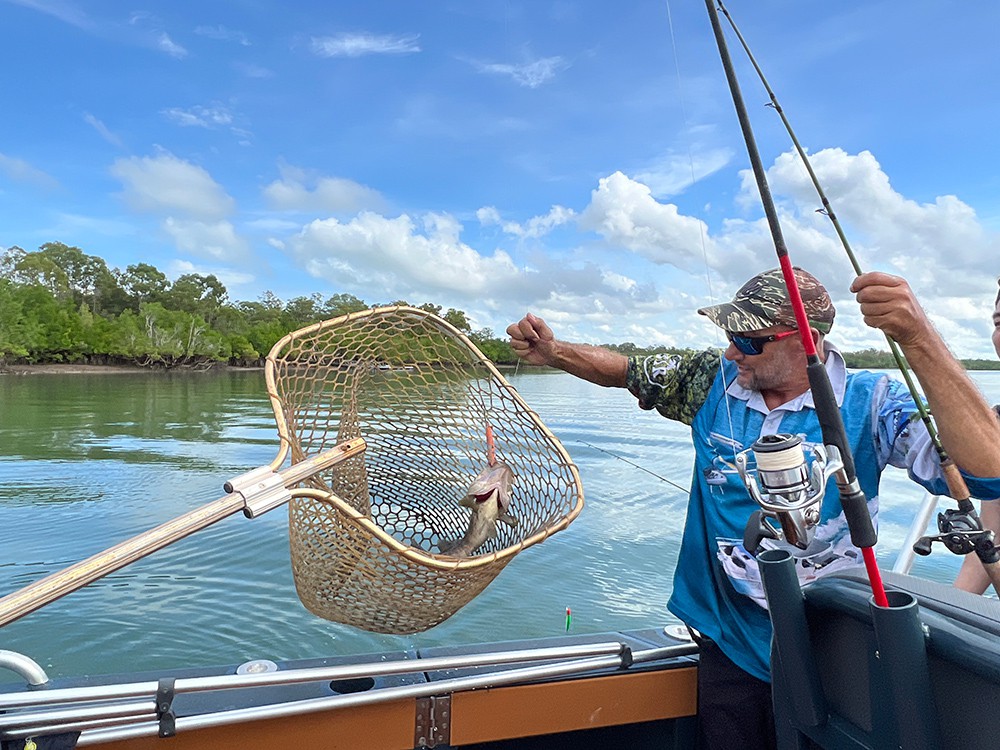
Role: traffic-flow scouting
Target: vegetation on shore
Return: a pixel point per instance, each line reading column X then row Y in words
column 60, row 305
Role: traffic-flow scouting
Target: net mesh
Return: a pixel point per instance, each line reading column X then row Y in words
column 365, row 535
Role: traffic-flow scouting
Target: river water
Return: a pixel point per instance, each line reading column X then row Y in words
column 87, row 461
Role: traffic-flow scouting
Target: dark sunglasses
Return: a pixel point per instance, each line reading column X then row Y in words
column 752, row 345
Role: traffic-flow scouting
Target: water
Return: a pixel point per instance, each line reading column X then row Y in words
column 87, row 461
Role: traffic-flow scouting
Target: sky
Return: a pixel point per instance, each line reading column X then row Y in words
column 578, row 159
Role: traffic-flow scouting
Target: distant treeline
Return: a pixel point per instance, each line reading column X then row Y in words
column 60, row 305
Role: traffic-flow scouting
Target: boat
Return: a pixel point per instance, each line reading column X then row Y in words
column 847, row 674
column 919, row 672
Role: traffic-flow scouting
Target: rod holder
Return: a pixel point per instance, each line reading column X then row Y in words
column 902, row 652
column 791, row 641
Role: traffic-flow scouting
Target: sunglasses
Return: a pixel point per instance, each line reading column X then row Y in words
column 752, row 345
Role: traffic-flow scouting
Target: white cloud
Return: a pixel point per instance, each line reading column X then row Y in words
column 18, row 170
column 625, row 214
column 359, row 44
column 165, row 184
column 216, row 240
column 227, row 276
column 64, row 11
column 300, row 190
column 224, row 34
column 672, row 173
column 535, row 227
column 168, row 45
column 375, row 251
column 530, row 74
column 200, row 116
column 103, row 130
column 886, row 230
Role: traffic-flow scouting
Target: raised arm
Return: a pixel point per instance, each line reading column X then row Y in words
column 533, row 341
column 966, row 424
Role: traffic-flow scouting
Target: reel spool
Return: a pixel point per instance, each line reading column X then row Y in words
column 787, row 489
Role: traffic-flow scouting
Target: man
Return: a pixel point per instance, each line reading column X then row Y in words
column 971, row 576
column 761, row 387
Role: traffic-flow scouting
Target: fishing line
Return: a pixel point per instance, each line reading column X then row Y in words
column 701, row 225
column 958, row 489
column 828, row 211
column 831, row 421
column 641, row 468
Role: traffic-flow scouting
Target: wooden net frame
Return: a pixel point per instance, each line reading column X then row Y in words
column 364, row 535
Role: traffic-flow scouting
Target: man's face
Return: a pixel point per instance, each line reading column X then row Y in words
column 776, row 368
column 996, row 326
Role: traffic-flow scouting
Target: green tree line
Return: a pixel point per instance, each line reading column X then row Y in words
column 59, row 304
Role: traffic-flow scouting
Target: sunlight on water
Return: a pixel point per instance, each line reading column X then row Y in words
column 89, row 461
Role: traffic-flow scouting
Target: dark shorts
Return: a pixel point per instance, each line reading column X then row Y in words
column 734, row 707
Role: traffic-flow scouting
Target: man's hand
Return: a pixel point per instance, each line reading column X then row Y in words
column 532, row 340
column 888, row 303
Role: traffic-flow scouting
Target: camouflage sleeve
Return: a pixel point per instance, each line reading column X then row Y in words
column 676, row 385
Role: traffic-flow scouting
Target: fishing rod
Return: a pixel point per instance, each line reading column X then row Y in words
column 961, row 529
column 852, row 497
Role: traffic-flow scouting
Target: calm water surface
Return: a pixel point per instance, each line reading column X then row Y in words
column 87, row 461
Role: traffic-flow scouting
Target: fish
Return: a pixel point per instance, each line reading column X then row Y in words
column 489, row 499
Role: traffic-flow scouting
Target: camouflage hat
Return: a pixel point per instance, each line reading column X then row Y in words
column 763, row 302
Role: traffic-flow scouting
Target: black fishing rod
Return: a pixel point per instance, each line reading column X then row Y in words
column 852, row 498
column 960, row 529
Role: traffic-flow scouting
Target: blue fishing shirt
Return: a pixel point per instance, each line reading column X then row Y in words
column 717, row 588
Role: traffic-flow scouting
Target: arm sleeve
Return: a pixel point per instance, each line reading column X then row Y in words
column 676, row 385
column 903, row 441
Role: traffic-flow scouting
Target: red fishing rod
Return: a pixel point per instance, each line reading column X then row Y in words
column 852, row 498
column 961, row 529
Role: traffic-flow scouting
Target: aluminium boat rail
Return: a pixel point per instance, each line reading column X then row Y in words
column 106, row 713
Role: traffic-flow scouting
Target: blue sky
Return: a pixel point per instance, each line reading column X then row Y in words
column 581, row 160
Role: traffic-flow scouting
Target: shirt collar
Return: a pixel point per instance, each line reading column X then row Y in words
column 836, row 368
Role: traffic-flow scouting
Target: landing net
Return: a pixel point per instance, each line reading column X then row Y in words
column 365, row 535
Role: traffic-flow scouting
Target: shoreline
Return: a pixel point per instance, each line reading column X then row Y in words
column 85, row 369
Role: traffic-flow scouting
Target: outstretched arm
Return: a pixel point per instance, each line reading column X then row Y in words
column 966, row 424
column 533, row 341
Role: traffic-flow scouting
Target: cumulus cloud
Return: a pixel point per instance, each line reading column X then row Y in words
column 358, row 44
column 624, row 212
column 537, row 226
column 301, row 190
column 424, row 258
column 374, row 251
column 165, row 184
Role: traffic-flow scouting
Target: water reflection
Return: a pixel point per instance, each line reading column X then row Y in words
column 88, row 461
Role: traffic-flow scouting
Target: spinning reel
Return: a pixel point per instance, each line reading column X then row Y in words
column 789, row 491
column 961, row 532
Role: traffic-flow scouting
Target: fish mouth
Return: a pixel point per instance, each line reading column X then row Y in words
column 484, row 496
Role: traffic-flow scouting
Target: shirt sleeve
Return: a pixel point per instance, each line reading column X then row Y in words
column 903, row 441
column 676, row 385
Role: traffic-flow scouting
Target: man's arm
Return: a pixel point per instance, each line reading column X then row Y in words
column 966, row 424
column 533, row 341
